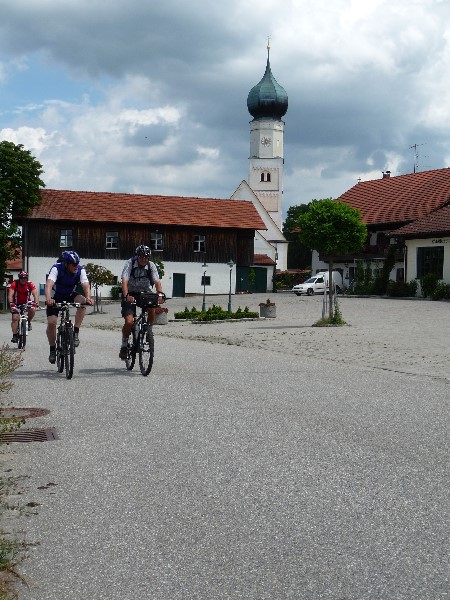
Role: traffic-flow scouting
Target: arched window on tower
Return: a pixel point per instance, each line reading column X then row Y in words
column 262, row 176
column 265, row 176
column 268, row 177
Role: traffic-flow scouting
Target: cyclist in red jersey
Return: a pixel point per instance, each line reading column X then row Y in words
column 21, row 291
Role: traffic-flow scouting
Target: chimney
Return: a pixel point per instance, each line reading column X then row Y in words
column 386, row 174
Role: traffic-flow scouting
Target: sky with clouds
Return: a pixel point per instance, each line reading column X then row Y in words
column 151, row 97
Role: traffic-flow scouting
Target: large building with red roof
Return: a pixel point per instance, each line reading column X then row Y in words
column 185, row 233
column 412, row 211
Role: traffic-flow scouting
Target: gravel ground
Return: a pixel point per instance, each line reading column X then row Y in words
column 260, row 460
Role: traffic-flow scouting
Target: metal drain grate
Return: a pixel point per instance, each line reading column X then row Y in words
column 28, row 435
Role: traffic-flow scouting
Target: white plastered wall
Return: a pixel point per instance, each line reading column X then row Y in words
column 38, row 268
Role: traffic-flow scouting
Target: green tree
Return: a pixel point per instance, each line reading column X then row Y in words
column 98, row 276
column 19, row 192
column 159, row 265
column 332, row 227
column 299, row 255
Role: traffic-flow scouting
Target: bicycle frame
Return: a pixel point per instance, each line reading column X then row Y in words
column 65, row 346
column 23, row 325
column 142, row 338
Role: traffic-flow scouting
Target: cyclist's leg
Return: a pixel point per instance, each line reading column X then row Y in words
column 52, row 320
column 128, row 312
column 15, row 323
column 31, row 313
column 79, row 315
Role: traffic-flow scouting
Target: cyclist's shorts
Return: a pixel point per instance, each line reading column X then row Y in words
column 52, row 310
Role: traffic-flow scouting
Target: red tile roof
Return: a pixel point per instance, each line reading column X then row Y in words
column 263, row 259
column 437, row 222
column 398, row 200
column 139, row 208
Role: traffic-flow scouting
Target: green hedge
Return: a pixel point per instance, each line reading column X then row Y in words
column 441, row 291
column 215, row 313
column 400, row 289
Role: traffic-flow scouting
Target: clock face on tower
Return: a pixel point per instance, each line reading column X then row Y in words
column 266, row 141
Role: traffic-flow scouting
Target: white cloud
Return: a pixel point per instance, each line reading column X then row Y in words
column 149, row 98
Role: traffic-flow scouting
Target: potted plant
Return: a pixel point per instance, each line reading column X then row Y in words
column 268, row 309
column 161, row 315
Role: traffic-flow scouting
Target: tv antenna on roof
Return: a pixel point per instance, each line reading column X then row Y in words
column 416, row 156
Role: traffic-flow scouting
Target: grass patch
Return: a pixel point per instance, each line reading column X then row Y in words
column 12, row 551
column 335, row 321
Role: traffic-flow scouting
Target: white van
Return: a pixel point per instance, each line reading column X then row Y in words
column 318, row 283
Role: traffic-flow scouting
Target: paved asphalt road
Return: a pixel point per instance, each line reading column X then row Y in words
column 230, row 473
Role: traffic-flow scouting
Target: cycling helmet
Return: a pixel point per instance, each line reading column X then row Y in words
column 143, row 251
column 71, row 257
column 23, row 275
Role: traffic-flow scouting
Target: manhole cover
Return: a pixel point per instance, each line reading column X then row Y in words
column 22, row 413
column 28, row 435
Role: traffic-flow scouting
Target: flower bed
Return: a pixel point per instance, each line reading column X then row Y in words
column 215, row 313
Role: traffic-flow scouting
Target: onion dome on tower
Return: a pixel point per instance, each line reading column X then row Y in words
column 267, row 99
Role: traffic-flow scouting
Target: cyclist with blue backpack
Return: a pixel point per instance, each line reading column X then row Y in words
column 61, row 286
column 139, row 275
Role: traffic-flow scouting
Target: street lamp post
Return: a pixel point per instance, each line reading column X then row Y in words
column 230, row 263
column 204, row 266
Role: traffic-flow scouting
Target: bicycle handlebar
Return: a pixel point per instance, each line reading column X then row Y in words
column 74, row 304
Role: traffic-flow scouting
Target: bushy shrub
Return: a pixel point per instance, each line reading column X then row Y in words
column 116, row 290
column 215, row 313
column 428, row 284
column 401, row 289
column 441, row 291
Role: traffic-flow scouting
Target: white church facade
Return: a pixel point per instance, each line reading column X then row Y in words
column 267, row 103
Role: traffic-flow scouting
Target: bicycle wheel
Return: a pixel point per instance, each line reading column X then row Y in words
column 129, row 362
column 22, row 334
column 69, row 353
column 60, row 345
column 146, row 350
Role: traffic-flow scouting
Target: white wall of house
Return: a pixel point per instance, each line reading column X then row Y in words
column 270, row 241
column 411, row 255
column 320, row 265
column 39, row 267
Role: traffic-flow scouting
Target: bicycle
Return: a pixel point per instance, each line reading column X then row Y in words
column 23, row 323
column 142, row 342
column 65, row 345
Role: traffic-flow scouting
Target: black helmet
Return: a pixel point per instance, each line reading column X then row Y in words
column 143, row 251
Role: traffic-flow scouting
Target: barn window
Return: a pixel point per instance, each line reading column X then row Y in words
column 112, row 240
column 65, row 238
column 199, row 243
column 156, row 241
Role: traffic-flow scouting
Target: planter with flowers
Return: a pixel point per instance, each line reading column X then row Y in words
column 268, row 309
column 161, row 315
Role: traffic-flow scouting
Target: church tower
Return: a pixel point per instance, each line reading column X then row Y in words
column 267, row 102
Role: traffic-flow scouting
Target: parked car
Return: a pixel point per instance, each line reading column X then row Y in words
column 318, row 283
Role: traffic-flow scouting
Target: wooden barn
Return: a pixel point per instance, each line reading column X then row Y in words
column 197, row 239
